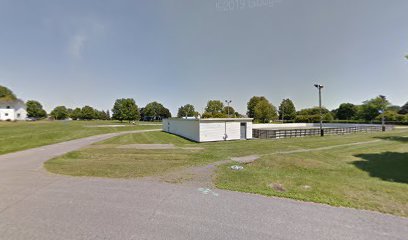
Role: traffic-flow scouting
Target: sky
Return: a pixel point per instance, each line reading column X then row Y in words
column 91, row 52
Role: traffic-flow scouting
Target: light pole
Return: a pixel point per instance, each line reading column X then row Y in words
column 283, row 110
column 318, row 86
column 228, row 103
column 382, row 112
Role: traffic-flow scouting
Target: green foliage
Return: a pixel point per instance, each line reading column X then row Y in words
column 88, row 113
column 59, row 113
column 186, row 110
column 287, row 108
column 252, row 104
column 229, row 111
column 75, row 114
column 391, row 116
column 312, row 115
column 155, row 111
column 265, row 111
column 6, row 94
column 393, row 108
column 214, row 115
column 35, row 110
column 371, row 108
column 346, row 111
column 214, row 106
column 404, row 109
column 125, row 109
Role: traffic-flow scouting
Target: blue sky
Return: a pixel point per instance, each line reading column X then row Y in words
column 79, row 52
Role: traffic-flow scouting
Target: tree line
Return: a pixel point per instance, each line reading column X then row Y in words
column 258, row 107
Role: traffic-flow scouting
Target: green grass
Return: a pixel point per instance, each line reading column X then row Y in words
column 372, row 175
column 16, row 136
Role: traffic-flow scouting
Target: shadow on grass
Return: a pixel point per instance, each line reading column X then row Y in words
column 395, row 138
column 388, row 166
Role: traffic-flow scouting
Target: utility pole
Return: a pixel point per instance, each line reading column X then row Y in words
column 318, row 86
column 228, row 103
column 382, row 112
column 283, row 110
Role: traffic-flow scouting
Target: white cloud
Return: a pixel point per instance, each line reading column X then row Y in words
column 77, row 44
column 86, row 30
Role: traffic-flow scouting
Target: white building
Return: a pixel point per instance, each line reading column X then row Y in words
column 13, row 110
column 210, row 129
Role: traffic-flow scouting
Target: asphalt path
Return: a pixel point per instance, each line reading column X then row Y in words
column 35, row 204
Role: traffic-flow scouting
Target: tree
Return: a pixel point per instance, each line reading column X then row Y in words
column 125, row 109
column 88, row 113
column 371, row 108
column 265, row 111
column 35, row 110
column 59, row 113
column 346, row 111
column 287, row 109
column 404, row 109
column 75, row 114
column 6, row 94
column 312, row 115
column 214, row 106
column 228, row 110
column 155, row 111
column 252, row 104
column 186, row 110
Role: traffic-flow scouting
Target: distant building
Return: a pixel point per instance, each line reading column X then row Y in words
column 210, row 129
column 13, row 110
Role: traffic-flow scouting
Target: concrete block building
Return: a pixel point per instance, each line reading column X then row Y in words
column 210, row 129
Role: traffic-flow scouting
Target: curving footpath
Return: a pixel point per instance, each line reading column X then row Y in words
column 35, row 204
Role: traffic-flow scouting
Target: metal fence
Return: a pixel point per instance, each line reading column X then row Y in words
column 303, row 132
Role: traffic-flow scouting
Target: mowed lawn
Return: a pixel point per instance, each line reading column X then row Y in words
column 16, row 136
column 365, row 171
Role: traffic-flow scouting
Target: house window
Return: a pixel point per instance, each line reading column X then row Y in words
column 18, row 115
column 8, row 107
column 6, row 114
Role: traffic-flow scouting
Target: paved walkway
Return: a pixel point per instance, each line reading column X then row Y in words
column 35, row 204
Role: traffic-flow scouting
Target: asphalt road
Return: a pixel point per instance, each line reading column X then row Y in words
column 35, row 204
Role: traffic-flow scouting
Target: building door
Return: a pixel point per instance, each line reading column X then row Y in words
column 243, row 130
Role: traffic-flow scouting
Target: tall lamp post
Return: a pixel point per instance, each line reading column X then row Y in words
column 382, row 112
column 283, row 110
column 228, row 103
column 318, row 86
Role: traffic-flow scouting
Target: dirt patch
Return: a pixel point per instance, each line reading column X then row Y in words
column 200, row 176
column 148, row 146
column 277, row 187
column 245, row 159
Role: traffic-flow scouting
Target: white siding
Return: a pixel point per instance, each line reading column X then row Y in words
column 9, row 113
column 182, row 127
column 249, row 130
column 208, row 130
column 20, row 114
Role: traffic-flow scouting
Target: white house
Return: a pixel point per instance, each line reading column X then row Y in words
column 210, row 129
column 13, row 110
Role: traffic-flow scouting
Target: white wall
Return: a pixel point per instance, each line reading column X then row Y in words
column 207, row 130
column 186, row 128
column 9, row 112
column 216, row 130
column 22, row 112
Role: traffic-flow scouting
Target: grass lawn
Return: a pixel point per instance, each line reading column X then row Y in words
column 16, row 136
column 368, row 171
